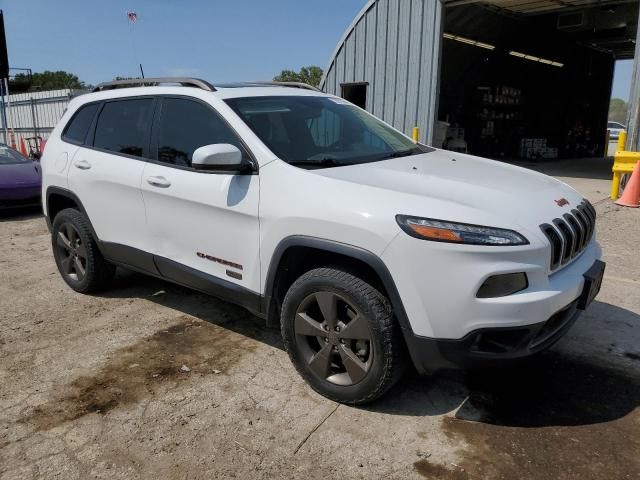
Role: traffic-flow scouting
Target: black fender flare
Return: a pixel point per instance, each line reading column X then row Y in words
column 365, row 256
column 52, row 190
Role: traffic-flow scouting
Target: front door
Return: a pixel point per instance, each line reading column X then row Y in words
column 199, row 222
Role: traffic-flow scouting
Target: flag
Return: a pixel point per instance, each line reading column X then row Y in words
column 133, row 16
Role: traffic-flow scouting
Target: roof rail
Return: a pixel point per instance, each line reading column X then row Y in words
column 133, row 82
column 305, row 86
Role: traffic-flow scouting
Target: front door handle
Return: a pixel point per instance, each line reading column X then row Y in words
column 159, row 182
column 82, row 164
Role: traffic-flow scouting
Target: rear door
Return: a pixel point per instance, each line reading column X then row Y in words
column 106, row 170
column 200, row 222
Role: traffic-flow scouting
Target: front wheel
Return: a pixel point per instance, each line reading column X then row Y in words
column 340, row 334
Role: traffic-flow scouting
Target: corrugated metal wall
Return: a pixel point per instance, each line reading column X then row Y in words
column 36, row 113
column 394, row 46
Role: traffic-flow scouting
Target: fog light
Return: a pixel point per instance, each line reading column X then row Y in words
column 503, row 285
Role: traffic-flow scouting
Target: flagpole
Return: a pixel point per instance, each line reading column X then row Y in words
column 131, row 19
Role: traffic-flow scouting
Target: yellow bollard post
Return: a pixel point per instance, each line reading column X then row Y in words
column 615, row 185
column 617, row 175
column 416, row 134
column 622, row 139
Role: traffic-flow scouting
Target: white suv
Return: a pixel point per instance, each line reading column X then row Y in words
column 364, row 247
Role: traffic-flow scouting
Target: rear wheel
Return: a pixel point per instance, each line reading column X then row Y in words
column 340, row 334
column 76, row 253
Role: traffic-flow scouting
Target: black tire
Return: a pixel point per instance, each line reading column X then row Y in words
column 380, row 357
column 77, row 256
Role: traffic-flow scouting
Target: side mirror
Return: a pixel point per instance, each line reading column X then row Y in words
column 218, row 156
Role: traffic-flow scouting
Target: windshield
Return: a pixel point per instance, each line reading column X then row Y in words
column 9, row 155
column 321, row 132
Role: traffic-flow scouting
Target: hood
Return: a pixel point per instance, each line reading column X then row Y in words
column 478, row 185
column 17, row 175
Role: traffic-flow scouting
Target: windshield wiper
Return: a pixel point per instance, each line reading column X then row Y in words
column 400, row 153
column 322, row 162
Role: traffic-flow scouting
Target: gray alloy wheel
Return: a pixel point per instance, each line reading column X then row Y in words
column 72, row 252
column 341, row 336
column 334, row 338
column 76, row 253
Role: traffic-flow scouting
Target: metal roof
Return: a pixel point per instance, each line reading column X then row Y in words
column 609, row 26
column 535, row 7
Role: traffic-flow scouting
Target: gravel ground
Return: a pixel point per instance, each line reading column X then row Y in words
column 94, row 387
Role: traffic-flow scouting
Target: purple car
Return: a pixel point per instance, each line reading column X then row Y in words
column 20, row 179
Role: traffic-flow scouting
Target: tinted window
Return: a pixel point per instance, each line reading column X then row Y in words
column 123, row 126
column 9, row 156
column 186, row 125
column 78, row 127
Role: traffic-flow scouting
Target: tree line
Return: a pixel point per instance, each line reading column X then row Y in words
column 618, row 110
column 49, row 80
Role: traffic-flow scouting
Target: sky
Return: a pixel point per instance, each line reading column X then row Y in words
column 219, row 40
column 622, row 79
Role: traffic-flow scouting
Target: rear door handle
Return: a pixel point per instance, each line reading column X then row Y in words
column 159, row 182
column 82, row 164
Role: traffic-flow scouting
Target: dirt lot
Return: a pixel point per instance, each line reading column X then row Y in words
column 92, row 387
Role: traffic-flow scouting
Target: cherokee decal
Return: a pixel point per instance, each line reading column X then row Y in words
column 219, row 260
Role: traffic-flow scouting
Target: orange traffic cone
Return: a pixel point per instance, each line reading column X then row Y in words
column 23, row 147
column 631, row 194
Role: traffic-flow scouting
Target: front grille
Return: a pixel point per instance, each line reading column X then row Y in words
column 570, row 234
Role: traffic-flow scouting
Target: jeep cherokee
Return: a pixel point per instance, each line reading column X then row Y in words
column 365, row 248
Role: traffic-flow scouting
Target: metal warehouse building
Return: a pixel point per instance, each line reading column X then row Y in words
column 498, row 78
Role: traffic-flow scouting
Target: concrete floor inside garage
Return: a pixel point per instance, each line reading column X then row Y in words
column 92, row 387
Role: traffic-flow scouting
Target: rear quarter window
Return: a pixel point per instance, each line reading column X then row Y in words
column 78, row 127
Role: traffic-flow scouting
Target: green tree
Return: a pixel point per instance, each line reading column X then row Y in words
column 310, row 75
column 618, row 110
column 49, row 80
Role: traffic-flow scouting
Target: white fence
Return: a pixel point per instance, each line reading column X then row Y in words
column 36, row 113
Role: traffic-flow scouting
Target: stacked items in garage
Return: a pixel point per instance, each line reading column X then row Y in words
column 536, row 148
column 494, row 132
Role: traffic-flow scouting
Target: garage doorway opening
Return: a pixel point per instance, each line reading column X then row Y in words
column 519, row 82
column 355, row 93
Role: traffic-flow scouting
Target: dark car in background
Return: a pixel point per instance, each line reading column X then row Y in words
column 20, row 179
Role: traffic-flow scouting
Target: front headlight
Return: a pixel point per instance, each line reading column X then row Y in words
column 443, row 231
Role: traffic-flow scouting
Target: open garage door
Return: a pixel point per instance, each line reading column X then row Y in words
column 531, row 79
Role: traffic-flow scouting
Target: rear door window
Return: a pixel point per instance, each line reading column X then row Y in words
column 77, row 129
column 124, row 126
column 185, row 125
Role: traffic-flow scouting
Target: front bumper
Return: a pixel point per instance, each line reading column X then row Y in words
column 491, row 346
column 438, row 283
column 447, row 325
